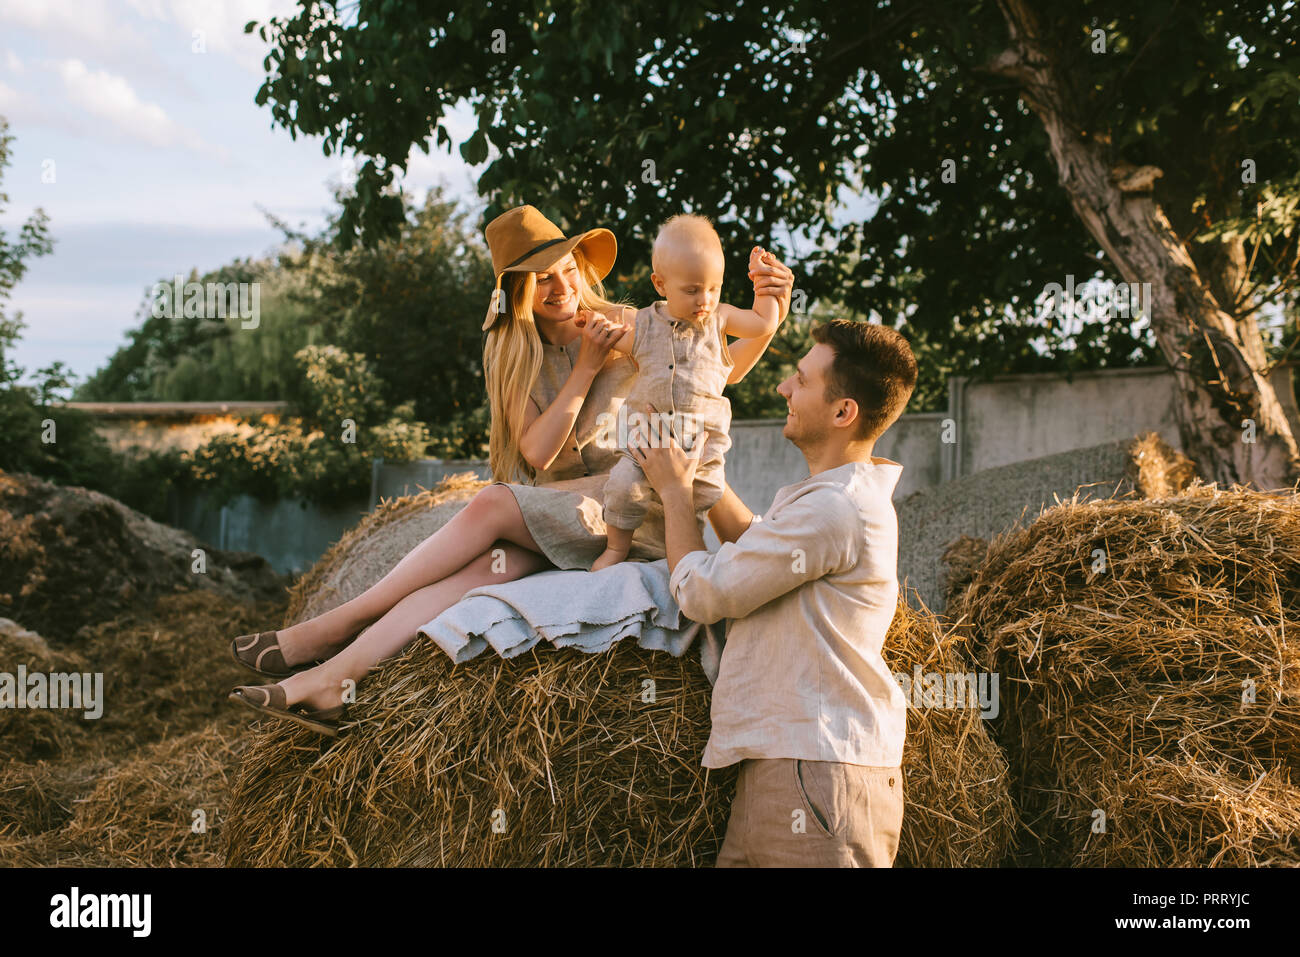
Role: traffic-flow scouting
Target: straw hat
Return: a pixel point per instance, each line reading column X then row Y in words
column 523, row 240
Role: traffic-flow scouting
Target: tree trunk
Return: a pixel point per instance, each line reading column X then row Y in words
column 1230, row 417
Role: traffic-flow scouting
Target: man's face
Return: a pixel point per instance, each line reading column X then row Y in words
column 811, row 416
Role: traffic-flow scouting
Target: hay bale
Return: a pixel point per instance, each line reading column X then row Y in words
column 957, row 809
column 363, row 556
column 562, row 752
column 985, row 503
column 1126, row 633
column 962, row 559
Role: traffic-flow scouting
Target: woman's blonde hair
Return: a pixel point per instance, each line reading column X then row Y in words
column 512, row 359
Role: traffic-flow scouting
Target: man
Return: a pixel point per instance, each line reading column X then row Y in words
column 803, row 701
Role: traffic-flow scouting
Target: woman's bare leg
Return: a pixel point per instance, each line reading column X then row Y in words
column 321, row 687
column 491, row 515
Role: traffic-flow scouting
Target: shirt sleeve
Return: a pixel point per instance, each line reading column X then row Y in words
column 815, row 535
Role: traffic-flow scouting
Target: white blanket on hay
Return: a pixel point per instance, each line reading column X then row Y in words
column 576, row 609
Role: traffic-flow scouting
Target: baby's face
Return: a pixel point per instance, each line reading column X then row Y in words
column 691, row 282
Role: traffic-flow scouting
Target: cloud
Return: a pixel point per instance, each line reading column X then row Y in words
column 94, row 30
column 12, row 63
column 110, row 98
column 221, row 22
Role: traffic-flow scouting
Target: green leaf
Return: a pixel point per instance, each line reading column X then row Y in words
column 475, row 149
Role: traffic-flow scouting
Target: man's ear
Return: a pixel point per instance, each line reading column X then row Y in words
column 847, row 414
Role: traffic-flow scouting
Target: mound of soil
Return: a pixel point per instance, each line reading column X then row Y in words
column 72, row 557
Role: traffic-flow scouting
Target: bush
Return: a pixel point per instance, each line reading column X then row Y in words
column 323, row 453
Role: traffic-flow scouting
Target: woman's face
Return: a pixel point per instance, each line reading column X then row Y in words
column 556, row 297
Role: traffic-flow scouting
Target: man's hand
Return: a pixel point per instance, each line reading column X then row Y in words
column 669, row 468
column 771, row 277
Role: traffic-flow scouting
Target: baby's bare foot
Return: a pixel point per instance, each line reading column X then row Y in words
column 608, row 557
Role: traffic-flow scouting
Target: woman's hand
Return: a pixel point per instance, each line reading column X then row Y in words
column 598, row 336
column 773, row 278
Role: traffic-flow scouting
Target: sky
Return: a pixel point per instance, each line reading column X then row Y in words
column 135, row 130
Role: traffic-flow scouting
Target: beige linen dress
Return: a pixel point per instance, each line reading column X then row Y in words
column 563, row 507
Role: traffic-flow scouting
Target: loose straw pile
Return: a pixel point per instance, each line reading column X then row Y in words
column 1150, row 667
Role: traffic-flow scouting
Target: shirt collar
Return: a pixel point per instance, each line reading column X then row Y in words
column 661, row 310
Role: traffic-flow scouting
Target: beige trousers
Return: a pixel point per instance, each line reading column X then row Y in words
column 793, row 813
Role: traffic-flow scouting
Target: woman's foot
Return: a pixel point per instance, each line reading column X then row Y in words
column 317, row 689
column 307, row 642
column 261, row 653
column 271, row 700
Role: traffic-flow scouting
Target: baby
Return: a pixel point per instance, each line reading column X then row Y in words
column 680, row 345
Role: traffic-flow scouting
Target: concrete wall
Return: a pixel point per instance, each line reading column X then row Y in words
column 291, row 534
column 1016, row 418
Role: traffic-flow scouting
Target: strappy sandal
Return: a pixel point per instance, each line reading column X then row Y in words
column 261, row 655
column 270, row 699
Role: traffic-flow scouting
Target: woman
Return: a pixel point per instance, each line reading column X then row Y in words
column 551, row 377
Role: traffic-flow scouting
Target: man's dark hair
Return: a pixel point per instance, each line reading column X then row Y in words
column 874, row 366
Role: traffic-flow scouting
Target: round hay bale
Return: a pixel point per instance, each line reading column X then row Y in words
column 962, row 559
column 560, row 758
column 1149, row 684
column 957, row 808
column 363, row 556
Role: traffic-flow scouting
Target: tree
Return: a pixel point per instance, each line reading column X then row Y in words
column 1010, row 146
column 412, row 307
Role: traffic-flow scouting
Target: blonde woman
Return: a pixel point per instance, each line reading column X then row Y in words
column 552, row 377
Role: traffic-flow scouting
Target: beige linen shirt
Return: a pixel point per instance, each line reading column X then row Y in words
column 811, row 588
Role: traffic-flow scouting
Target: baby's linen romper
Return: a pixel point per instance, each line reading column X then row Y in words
column 684, row 368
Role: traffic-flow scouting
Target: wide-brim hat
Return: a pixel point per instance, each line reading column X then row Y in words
column 523, row 240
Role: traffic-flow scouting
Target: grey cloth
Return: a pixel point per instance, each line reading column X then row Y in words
column 589, row 611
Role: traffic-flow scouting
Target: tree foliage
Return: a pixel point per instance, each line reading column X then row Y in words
column 778, row 118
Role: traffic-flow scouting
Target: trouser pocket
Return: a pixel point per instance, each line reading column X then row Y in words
column 819, row 811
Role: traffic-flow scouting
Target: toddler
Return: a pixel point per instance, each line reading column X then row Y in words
column 680, row 344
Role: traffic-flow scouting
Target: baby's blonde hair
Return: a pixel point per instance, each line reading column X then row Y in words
column 685, row 229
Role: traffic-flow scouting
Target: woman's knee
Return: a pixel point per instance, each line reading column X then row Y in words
column 490, row 507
